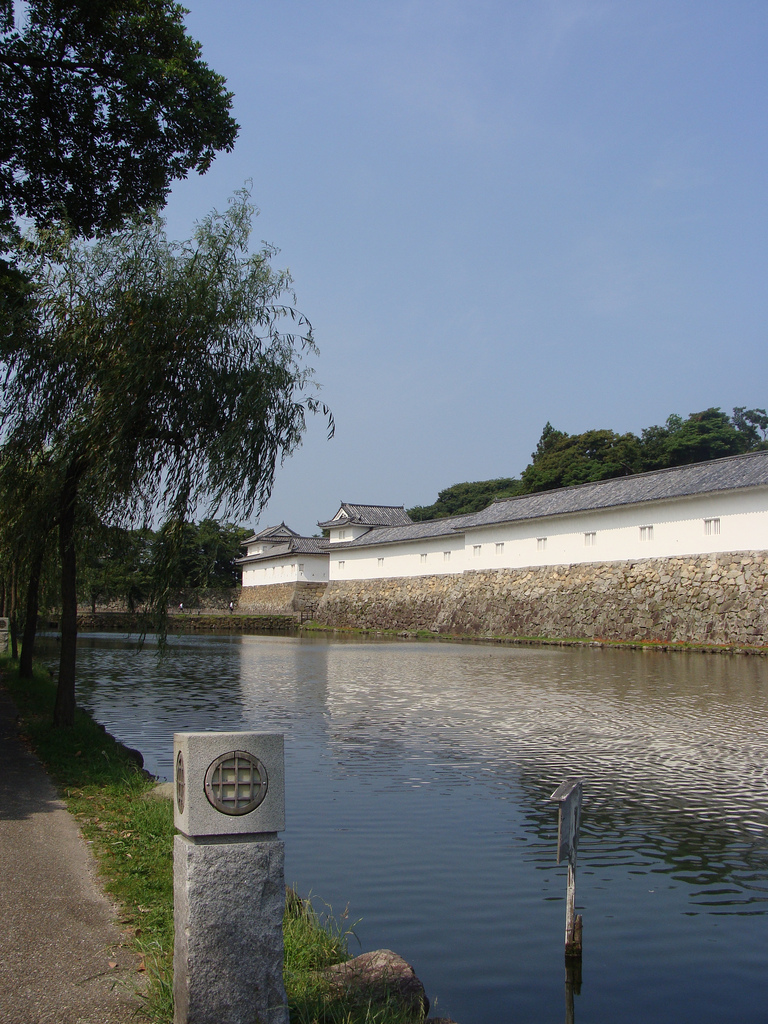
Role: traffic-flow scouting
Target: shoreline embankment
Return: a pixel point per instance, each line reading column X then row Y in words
column 714, row 603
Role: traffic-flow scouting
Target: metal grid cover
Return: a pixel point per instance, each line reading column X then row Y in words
column 236, row 782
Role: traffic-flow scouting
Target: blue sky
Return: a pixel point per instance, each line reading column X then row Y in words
column 498, row 214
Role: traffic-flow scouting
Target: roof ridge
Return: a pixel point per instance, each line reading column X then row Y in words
column 360, row 504
column 631, row 476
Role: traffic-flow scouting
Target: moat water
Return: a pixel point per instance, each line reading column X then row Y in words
column 417, row 777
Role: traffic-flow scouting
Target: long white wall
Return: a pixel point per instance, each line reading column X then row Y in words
column 736, row 521
column 697, row 525
column 436, row 556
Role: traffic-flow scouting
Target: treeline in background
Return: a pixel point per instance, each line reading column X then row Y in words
column 562, row 459
column 125, row 566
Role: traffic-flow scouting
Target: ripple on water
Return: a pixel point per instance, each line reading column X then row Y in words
column 417, row 781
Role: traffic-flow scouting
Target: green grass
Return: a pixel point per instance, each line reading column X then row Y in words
column 132, row 838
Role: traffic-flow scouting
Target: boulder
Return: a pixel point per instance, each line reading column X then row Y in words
column 379, row 977
column 160, row 791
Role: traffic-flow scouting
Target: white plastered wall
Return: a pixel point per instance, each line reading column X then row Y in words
column 346, row 531
column 294, row 568
column 678, row 529
column 739, row 522
column 381, row 561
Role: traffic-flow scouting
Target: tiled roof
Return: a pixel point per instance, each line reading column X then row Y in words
column 294, row 545
column 729, row 474
column 392, row 525
column 271, row 533
column 310, row 545
column 370, row 515
column 732, row 473
column 449, row 526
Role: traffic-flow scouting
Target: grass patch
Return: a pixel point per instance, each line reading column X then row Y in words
column 132, row 838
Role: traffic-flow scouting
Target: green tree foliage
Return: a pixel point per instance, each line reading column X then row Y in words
column 119, row 564
column 710, row 434
column 199, row 556
column 753, row 423
column 114, row 564
column 564, row 459
column 161, row 375
column 104, row 104
column 561, row 459
column 28, row 489
column 469, row 497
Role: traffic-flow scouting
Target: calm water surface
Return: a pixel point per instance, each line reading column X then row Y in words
column 416, row 787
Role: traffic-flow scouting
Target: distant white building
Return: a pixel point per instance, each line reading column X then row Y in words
column 705, row 508
column 280, row 555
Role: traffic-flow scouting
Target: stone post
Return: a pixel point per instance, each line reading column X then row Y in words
column 229, row 881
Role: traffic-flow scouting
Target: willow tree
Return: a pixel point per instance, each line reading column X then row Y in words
column 164, row 376
column 28, row 491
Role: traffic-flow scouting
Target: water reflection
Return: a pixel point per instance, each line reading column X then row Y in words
column 417, row 780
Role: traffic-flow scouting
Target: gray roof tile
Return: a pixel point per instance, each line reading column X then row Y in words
column 271, row 533
column 733, row 473
column 727, row 474
column 293, row 546
column 450, row 525
column 370, row 515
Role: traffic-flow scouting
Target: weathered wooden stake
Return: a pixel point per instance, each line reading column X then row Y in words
column 572, row 986
column 568, row 796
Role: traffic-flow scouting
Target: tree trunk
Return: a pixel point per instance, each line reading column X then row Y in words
column 64, row 712
column 30, row 620
column 12, row 613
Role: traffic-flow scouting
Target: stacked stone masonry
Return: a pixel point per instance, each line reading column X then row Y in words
column 698, row 599
column 281, row 599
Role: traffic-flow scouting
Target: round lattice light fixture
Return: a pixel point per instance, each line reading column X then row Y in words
column 236, row 782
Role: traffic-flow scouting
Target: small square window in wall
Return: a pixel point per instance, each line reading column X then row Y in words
column 342, row 534
column 500, row 547
column 646, row 533
column 590, row 540
column 711, row 527
column 541, row 543
column 341, row 564
column 476, row 549
column 423, row 557
column 381, row 562
column 301, row 567
column 446, row 556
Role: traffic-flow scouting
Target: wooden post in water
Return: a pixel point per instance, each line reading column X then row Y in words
column 568, row 797
column 572, row 986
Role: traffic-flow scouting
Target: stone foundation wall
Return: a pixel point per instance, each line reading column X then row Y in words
column 705, row 598
column 281, row 599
